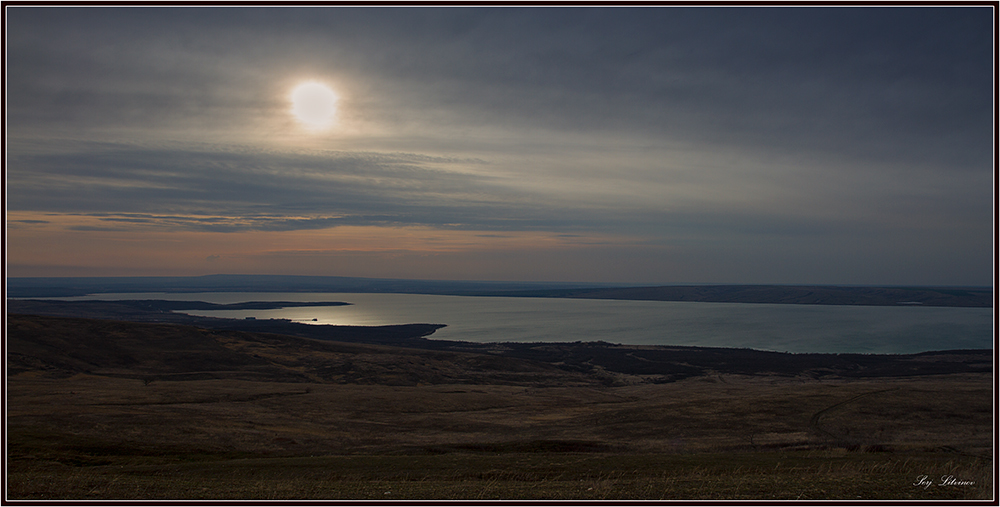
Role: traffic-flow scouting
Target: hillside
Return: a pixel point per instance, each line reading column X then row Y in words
column 63, row 347
column 111, row 410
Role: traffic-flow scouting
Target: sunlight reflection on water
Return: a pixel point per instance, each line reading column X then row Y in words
column 792, row 328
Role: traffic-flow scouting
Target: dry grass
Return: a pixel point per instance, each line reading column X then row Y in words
column 722, row 438
column 109, row 410
column 772, row 475
column 693, row 415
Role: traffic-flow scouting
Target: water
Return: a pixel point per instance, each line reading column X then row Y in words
column 783, row 328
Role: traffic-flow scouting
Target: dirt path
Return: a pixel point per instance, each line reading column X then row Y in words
column 814, row 420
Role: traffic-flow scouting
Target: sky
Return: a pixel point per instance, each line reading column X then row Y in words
column 645, row 145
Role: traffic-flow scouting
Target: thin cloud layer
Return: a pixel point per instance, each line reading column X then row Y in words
column 837, row 138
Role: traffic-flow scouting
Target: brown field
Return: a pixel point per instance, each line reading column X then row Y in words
column 108, row 410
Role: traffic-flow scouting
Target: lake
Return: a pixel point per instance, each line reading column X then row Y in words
column 777, row 327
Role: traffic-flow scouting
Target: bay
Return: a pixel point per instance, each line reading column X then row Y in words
column 776, row 327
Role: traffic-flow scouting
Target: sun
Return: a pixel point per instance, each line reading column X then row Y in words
column 314, row 104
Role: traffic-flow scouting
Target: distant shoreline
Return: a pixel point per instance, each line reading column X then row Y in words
column 613, row 364
column 939, row 296
column 783, row 294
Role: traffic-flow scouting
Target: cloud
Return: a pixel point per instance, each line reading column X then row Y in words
column 268, row 189
column 873, row 83
column 708, row 129
column 226, row 188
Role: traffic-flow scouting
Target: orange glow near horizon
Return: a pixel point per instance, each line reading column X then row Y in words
column 76, row 245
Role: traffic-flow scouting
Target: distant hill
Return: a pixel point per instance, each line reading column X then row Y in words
column 785, row 294
column 23, row 287
column 979, row 297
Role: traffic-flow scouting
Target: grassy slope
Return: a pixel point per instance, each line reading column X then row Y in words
column 100, row 409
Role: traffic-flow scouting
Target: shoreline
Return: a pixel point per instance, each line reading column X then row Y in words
column 615, row 364
column 794, row 329
column 931, row 296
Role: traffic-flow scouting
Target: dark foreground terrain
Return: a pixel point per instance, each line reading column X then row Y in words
column 103, row 409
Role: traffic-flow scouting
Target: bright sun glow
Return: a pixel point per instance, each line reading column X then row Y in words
column 314, row 104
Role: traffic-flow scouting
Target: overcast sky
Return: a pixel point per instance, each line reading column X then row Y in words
column 833, row 145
